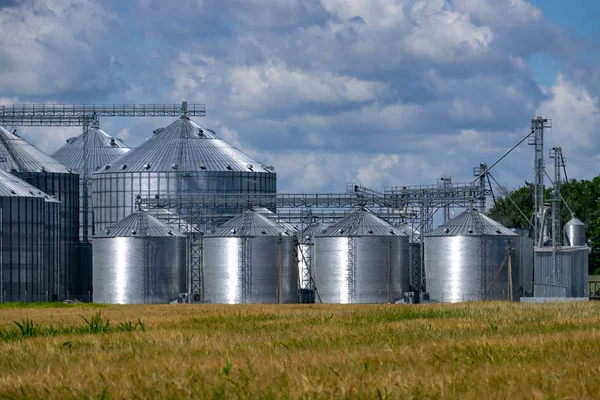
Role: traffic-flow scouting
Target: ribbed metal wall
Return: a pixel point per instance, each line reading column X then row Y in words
column 35, row 167
column 373, row 276
column 182, row 158
column 28, row 241
column 454, row 272
column 525, row 254
column 247, row 260
column 65, row 188
column 463, row 256
column 565, row 277
column 352, row 261
column 139, row 260
column 245, row 270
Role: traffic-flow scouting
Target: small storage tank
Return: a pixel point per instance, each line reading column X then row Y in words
column 35, row 167
column 249, row 259
column 361, row 259
column 575, row 233
column 463, row 256
column 139, row 260
column 102, row 150
column 28, row 264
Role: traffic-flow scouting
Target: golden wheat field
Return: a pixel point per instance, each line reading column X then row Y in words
column 473, row 350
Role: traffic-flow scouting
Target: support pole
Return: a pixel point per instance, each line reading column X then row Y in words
column 279, row 285
column 510, row 285
column 389, row 276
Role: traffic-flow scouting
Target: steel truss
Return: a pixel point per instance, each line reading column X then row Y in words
column 416, row 205
column 86, row 116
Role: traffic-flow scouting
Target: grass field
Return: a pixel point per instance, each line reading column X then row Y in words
column 476, row 350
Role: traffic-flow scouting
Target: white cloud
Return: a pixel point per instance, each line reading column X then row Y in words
column 49, row 47
column 575, row 115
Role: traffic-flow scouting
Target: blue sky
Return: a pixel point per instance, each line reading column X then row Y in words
column 381, row 92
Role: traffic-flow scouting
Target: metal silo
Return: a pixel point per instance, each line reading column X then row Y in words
column 575, row 233
column 249, row 259
column 28, row 264
column 463, row 257
column 102, row 150
column 139, row 260
column 48, row 175
column 182, row 158
column 361, row 259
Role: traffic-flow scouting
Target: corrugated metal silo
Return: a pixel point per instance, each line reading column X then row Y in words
column 28, row 264
column 463, row 256
column 35, row 167
column 182, row 158
column 361, row 259
column 249, row 259
column 102, row 150
column 139, row 260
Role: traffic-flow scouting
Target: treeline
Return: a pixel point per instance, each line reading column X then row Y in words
column 583, row 197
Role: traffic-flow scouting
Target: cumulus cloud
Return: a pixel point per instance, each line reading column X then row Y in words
column 382, row 92
column 53, row 47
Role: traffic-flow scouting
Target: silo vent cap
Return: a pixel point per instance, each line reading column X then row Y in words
column 124, row 166
column 470, row 230
column 202, row 167
column 174, row 166
column 107, row 167
column 133, row 232
column 229, row 167
column 371, row 232
column 446, row 230
column 146, row 166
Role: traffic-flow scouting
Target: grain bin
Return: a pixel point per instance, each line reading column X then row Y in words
column 28, row 224
column 249, row 259
column 463, row 256
column 139, row 260
column 361, row 259
column 102, row 150
column 182, row 158
column 37, row 168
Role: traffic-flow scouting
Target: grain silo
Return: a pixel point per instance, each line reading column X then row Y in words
column 139, row 260
column 102, row 150
column 28, row 223
column 249, row 259
column 48, row 175
column 361, row 259
column 464, row 256
column 182, row 158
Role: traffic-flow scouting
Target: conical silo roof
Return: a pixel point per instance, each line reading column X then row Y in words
column 11, row 186
column 184, row 145
column 249, row 224
column 360, row 222
column 274, row 217
column 18, row 155
column 102, row 149
column 467, row 224
column 139, row 224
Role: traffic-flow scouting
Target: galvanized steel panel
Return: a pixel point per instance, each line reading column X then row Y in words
column 339, row 280
column 454, row 272
column 243, row 270
column 564, row 274
column 18, row 155
column 130, row 270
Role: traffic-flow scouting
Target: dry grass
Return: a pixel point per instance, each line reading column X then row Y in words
column 486, row 350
